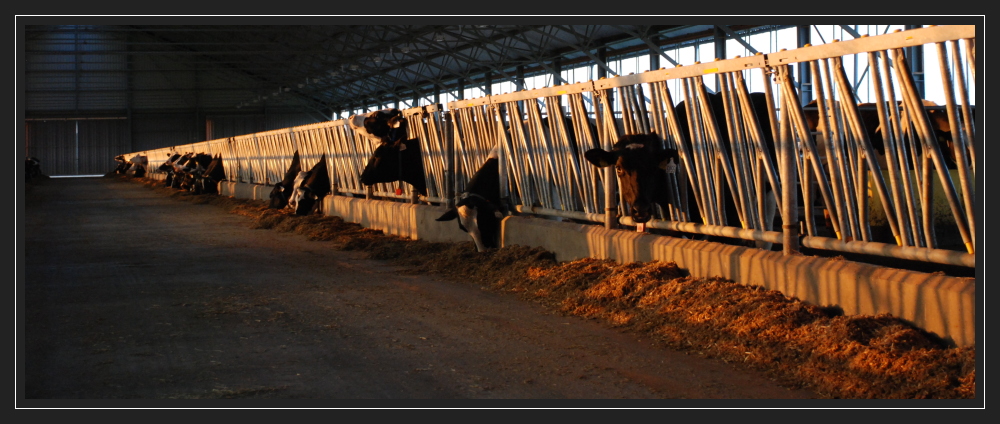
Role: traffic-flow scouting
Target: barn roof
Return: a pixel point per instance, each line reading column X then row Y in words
column 312, row 67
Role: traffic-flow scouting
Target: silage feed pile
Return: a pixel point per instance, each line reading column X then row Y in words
column 798, row 344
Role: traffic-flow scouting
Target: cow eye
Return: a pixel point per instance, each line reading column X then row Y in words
column 618, row 169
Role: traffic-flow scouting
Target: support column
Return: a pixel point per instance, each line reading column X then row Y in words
column 915, row 58
column 803, row 77
column 556, row 72
column 720, row 52
column 654, row 57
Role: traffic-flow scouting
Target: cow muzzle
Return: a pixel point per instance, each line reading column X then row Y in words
column 640, row 212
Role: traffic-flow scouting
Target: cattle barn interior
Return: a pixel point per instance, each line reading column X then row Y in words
column 90, row 93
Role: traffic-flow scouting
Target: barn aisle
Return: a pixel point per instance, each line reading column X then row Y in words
column 128, row 294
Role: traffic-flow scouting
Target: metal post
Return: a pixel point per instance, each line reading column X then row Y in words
column 804, row 34
column 915, row 56
column 654, row 56
column 449, row 154
column 720, row 52
column 786, row 167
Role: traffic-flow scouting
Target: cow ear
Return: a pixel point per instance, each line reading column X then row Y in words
column 448, row 216
column 600, row 158
column 665, row 157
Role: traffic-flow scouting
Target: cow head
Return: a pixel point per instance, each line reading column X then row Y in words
column 297, row 192
column 139, row 165
column 310, row 188
column 478, row 210
column 641, row 165
column 168, row 166
column 382, row 122
column 383, row 126
column 181, row 162
column 399, row 161
column 213, row 174
column 282, row 190
column 123, row 165
column 279, row 199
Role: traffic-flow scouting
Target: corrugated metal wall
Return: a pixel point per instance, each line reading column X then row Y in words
column 275, row 121
column 75, row 76
column 153, row 131
column 234, row 125
column 77, row 147
column 79, row 73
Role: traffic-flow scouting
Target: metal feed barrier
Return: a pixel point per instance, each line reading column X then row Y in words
column 849, row 198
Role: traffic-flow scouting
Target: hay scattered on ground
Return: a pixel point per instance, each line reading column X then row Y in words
column 801, row 345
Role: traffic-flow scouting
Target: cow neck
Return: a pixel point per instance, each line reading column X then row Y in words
column 399, row 164
column 399, row 161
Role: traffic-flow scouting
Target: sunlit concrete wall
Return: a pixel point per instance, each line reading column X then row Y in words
column 940, row 304
column 400, row 219
column 245, row 191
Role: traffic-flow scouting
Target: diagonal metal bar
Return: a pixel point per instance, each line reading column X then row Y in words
column 737, row 37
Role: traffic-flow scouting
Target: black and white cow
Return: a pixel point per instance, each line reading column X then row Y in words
column 192, row 170
column 175, row 169
column 123, row 165
column 167, row 167
column 399, row 161
column 207, row 181
column 381, row 126
column 283, row 190
column 395, row 158
column 479, row 209
column 310, row 188
column 642, row 164
column 140, row 164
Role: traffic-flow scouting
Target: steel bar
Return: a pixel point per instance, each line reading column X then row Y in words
column 941, row 256
column 583, row 216
column 680, row 142
column 957, row 135
column 894, row 214
column 711, row 230
column 736, row 152
column 869, row 154
column 701, row 168
column 930, row 144
column 903, row 140
column 787, row 153
column 720, row 156
column 829, row 184
column 609, row 134
column 968, row 126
